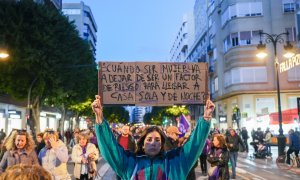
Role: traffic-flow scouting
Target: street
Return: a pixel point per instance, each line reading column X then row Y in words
column 247, row 168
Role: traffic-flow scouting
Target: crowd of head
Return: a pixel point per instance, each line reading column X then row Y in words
column 47, row 155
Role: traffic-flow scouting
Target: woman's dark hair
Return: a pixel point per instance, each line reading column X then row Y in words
column 221, row 140
column 148, row 130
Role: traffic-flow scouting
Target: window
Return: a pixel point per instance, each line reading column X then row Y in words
column 263, row 104
column 235, row 39
column 216, row 84
column 71, row 11
column 293, row 74
column 292, row 33
column 241, row 39
column 245, row 75
column 256, row 8
column 288, row 6
column 292, row 102
column 245, row 37
column 242, row 10
column 215, row 56
column 227, row 78
column 232, row 10
column 227, row 43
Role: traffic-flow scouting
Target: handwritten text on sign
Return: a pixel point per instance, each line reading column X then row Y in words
column 152, row 83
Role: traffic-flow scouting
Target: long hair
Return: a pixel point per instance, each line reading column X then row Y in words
column 221, row 140
column 10, row 143
column 25, row 172
column 148, row 130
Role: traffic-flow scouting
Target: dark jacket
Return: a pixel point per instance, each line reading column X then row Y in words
column 170, row 144
column 131, row 142
column 235, row 140
column 39, row 147
column 244, row 134
column 219, row 159
column 294, row 141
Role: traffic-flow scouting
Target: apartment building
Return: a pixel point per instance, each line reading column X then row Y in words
column 184, row 39
column 237, row 77
column 85, row 23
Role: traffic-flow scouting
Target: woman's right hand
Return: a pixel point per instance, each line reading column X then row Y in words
column 97, row 108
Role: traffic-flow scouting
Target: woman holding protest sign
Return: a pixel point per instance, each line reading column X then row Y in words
column 150, row 160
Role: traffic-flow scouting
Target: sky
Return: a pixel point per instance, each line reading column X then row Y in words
column 136, row 30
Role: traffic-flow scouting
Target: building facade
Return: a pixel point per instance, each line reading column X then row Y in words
column 138, row 114
column 85, row 23
column 184, row 39
column 237, row 77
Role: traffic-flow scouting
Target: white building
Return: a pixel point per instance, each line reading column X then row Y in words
column 184, row 39
column 84, row 20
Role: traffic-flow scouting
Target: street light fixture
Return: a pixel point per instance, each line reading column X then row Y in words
column 3, row 53
column 274, row 39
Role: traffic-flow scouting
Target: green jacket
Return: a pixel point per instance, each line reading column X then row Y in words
column 174, row 164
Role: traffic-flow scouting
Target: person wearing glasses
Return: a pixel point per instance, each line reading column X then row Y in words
column 84, row 155
column 20, row 150
column 54, row 156
column 151, row 161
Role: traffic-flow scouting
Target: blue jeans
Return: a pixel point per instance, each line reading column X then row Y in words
column 233, row 159
column 268, row 145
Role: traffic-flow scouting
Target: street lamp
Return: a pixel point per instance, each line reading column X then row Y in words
column 3, row 53
column 274, row 39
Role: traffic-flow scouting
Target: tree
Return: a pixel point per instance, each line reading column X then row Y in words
column 156, row 116
column 176, row 111
column 43, row 47
column 116, row 114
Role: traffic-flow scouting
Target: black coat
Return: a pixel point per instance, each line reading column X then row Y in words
column 221, row 161
column 236, row 141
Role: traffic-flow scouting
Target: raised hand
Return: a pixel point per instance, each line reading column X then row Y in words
column 209, row 109
column 97, row 108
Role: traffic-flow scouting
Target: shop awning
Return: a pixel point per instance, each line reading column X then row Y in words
column 288, row 116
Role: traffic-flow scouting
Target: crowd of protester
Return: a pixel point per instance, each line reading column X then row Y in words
column 22, row 156
column 49, row 153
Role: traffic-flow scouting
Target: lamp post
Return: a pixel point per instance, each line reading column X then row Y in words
column 274, row 39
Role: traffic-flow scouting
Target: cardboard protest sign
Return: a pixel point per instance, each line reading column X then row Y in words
column 152, row 83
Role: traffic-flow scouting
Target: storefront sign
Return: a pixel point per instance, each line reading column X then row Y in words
column 290, row 63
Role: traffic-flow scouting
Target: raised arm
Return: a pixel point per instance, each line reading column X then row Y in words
column 194, row 146
column 97, row 108
column 120, row 161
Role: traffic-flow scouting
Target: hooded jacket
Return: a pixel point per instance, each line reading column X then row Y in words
column 174, row 164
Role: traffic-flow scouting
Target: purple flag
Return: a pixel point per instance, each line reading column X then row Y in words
column 183, row 125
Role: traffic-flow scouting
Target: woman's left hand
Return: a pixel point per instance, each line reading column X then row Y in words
column 92, row 156
column 209, row 109
column 54, row 143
